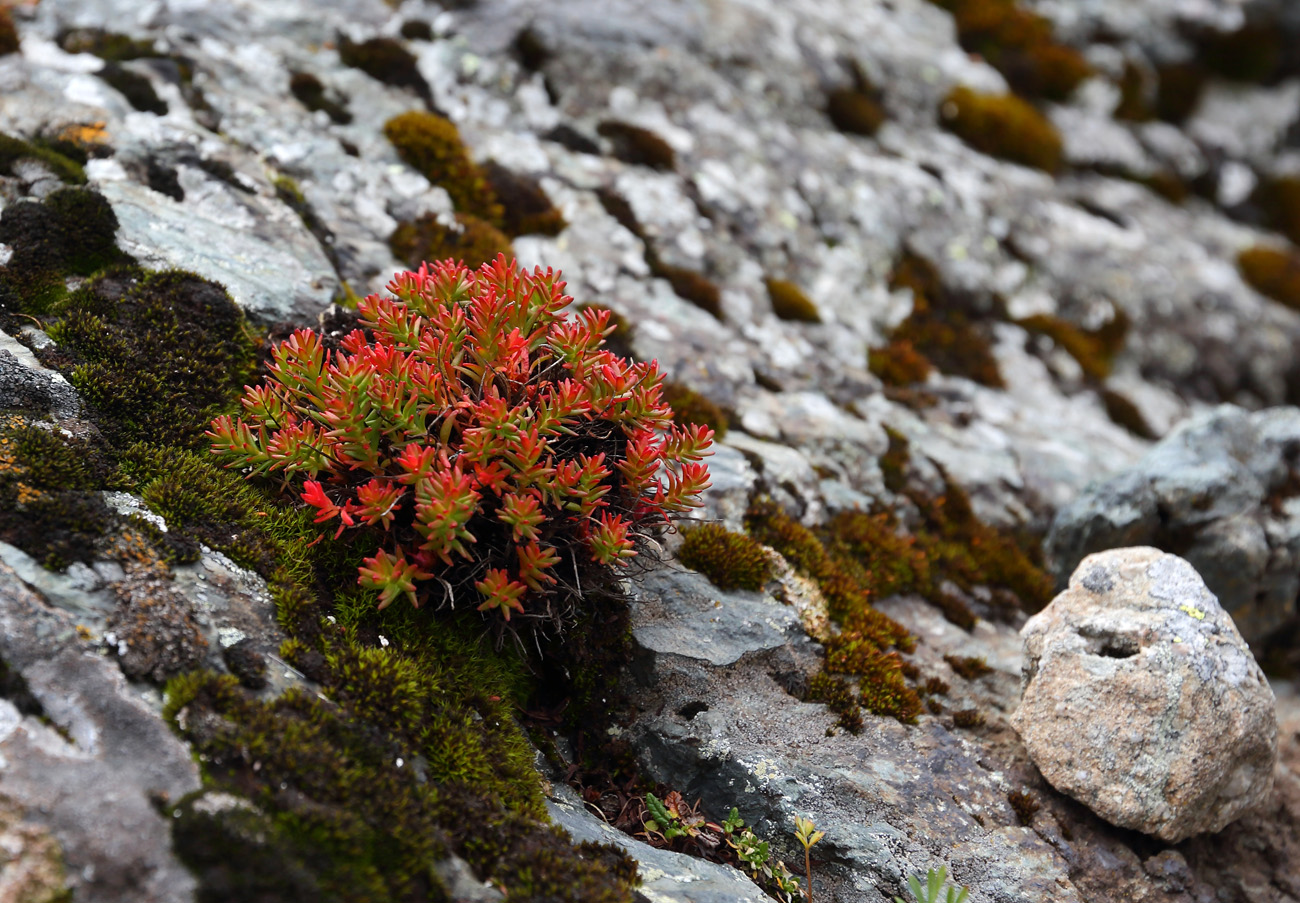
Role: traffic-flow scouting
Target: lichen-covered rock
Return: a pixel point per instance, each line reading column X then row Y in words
column 1142, row 701
column 1221, row 491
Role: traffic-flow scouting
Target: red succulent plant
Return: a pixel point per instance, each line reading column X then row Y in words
column 482, row 431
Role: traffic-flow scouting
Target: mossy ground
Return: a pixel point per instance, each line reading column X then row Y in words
column 431, row 144
column 730, row 560
column 1002, row 125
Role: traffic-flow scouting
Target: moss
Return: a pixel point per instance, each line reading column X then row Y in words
column 935, row 686
column 839, row 697
column 135, row 87
column 1024, row 805
column 530, row 50
column 385, row 60
column 1136, row 97
column 790, row 303
column 1272, row 272
column 14, row 149
column 898, row 363
column 1169, row 185
column 432, row 145
column 1252, row 53
column 636, row 145
column 694, row 287
column 730, row 560
column 1003, row 125
column 1279, row 200
column 157, row 355
column 1178, row 90
column 690, row 406
column 8, row 32
column 310, row 92
column 1123, row 411
column 471, row 240
column 854, row 112
column 1019, row 44
column 968, row 667
column 968, row 718
column 417, row 30
column 1091, row 353
column 896, row 460
column 107, row 45
column 527, row 210
column 940, row 329
column 566, row 135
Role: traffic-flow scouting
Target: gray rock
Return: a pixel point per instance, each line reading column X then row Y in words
column 1217, row 491
column 1142, row 701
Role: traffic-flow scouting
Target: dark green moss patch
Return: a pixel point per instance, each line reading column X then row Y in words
column 432, row 145
column 854, row 112
column 157, row 355
column 1002, row 125
column 942, row 331
column 14, row 149
column 470, row 239
column 527, row 208
column 729, row 560
column 8, row 32
column 310, row 92
column 135, row 87
column 1124, row 412
column 385, row 60
column 790, row 303
column 417, row 30
column 636, row 145
column 690, row 406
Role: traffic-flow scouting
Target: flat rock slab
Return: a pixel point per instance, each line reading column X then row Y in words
column 1143, row 702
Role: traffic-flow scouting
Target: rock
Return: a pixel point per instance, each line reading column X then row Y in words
column 1220, row 491
column 1142, row 701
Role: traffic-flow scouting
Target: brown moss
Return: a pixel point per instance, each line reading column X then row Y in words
column 8, row 32
column 854, row 111
column 1252, row 53
column 838, row 696
column 1019, row 44
column 968, row 667
column 1024, row 804
column 1279, row 199
column 690, row 406
column 1178, row 90
column 694, row 287
column 1003, row 125
column 1125, row 413
column 416, row 30
column 790, row 303
column 1273, row 272
column 1169, row 185
column 896, row 460
column 1087, row 349
column 730, row 560
column 898, row 363
column 470, row 240
column 527, row 208
column 431, row 144
column 310, row 92
column 1135, row 95
column 385, row 60
column 636, row 145
column 968, row 718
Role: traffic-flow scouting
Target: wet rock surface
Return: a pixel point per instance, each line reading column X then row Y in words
column 1142, row 701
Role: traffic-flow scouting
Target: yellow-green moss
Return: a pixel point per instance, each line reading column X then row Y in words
column 1273, row 272
column 1003, row 125
column 14, row 149
column 1018, row 43
column 472, row 240
column 790, row 303
column 637, row 145
column 854, row 112
column 431, row 144
column 8, row 32
column 690, row 406
column 730, row 560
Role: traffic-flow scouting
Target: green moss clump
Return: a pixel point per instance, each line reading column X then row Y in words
column 14, row 149
column 471, row 240
column 8, row 32
column 968, row 667
column 1272, row 272
column 1123, row 411
column 730, row 560
column 1003, row 125
column 690, row 406
column 790, row 303
column 136, row 88
column 310, row 92
column 431, row 144
column 385, row 60
column 854, row 111
column 156, row 354
column 527, row 208
column 638, row 146
column 940, row 329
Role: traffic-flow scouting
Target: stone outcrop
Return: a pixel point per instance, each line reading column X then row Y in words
column 1142, row 701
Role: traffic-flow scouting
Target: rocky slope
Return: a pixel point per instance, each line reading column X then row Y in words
column 785, row 203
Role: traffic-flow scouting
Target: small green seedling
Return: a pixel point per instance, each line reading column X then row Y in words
column 934, row 881
column 807, row 835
